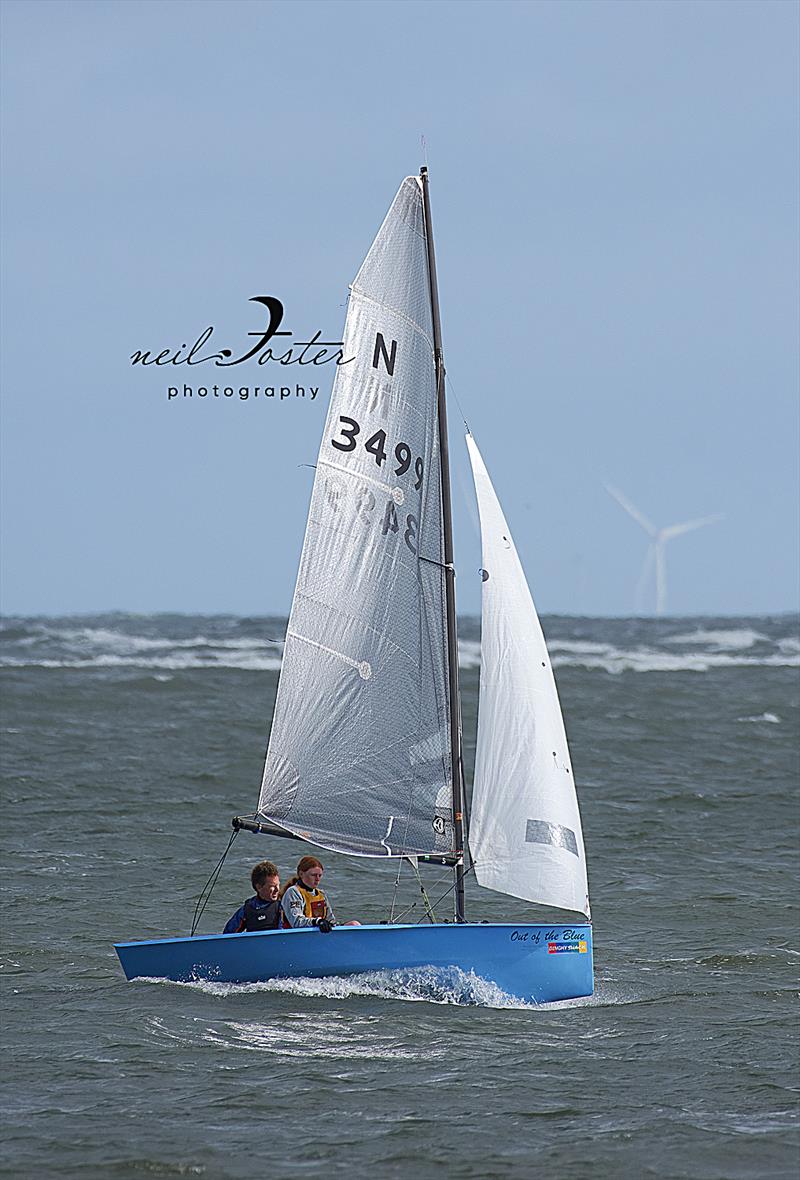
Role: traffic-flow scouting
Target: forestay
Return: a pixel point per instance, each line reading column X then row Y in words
column 525, row 831
column 359, row 754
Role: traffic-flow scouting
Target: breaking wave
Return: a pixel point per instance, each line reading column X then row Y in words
column 649, row 660
column 42, row 646
column 736, row 639
column 170, row 644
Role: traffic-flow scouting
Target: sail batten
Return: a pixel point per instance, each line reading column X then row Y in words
column 364, row 680
column 525, row 830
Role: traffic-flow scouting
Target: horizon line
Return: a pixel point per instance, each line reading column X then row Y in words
column 210, row 614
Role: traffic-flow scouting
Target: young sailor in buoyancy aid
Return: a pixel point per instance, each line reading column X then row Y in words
column 303, row 902
column 262, row 912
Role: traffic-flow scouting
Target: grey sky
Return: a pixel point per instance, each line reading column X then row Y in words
column 614, row 193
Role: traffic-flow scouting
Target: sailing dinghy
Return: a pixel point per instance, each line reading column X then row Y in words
column 365, row 754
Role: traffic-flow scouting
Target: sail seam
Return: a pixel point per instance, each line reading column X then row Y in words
column 361, row 666
column 392, row 489
column 392, row 644
column 400, row 315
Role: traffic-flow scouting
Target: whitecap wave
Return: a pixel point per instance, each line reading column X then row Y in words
column 737, row 639
column 770, row 718
column 649, row 660
column 613, row 661
column 124, row 643
column 177, row 662
column 582, row 647
column 103, row 646
column 469, row 653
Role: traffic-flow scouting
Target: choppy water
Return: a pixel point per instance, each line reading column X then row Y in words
column 130, row 741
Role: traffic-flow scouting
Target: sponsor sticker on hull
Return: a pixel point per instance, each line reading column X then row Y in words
column 561, row 948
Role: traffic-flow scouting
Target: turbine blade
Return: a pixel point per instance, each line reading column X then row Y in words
column 675, row 530
column 623, row 502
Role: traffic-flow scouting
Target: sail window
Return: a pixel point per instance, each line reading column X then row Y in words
column 540, row 831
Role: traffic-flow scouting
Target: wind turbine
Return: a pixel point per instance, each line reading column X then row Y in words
column 655, row 550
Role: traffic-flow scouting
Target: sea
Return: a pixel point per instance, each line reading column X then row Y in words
column 129, row 742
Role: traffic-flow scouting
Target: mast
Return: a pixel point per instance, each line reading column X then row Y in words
column 449, row 571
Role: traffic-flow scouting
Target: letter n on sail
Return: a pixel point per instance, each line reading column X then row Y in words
column 382, row 353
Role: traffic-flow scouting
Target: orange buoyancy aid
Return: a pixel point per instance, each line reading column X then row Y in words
column 315, row 904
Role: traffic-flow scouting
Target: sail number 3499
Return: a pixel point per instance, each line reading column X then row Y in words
column 376, row 445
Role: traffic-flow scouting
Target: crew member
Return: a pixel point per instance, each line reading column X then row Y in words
column 262, row 912
column 304, row 903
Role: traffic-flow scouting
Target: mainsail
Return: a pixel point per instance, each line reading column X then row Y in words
column 359, row 758
column 525, row 830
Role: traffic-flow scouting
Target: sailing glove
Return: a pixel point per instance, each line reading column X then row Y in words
column 324, row 925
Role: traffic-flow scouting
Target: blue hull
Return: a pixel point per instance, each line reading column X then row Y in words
column 537, row 963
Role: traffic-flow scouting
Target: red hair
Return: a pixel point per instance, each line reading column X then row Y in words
column 303, row 865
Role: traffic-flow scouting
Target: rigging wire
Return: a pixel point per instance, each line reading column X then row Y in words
column 451, row 387
column 425, row 900
column 449, row 890
column 468, row 494
column 396, row 887
column 400, row 861
column 414, row 904
column 208, row 888
column 428, row 908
